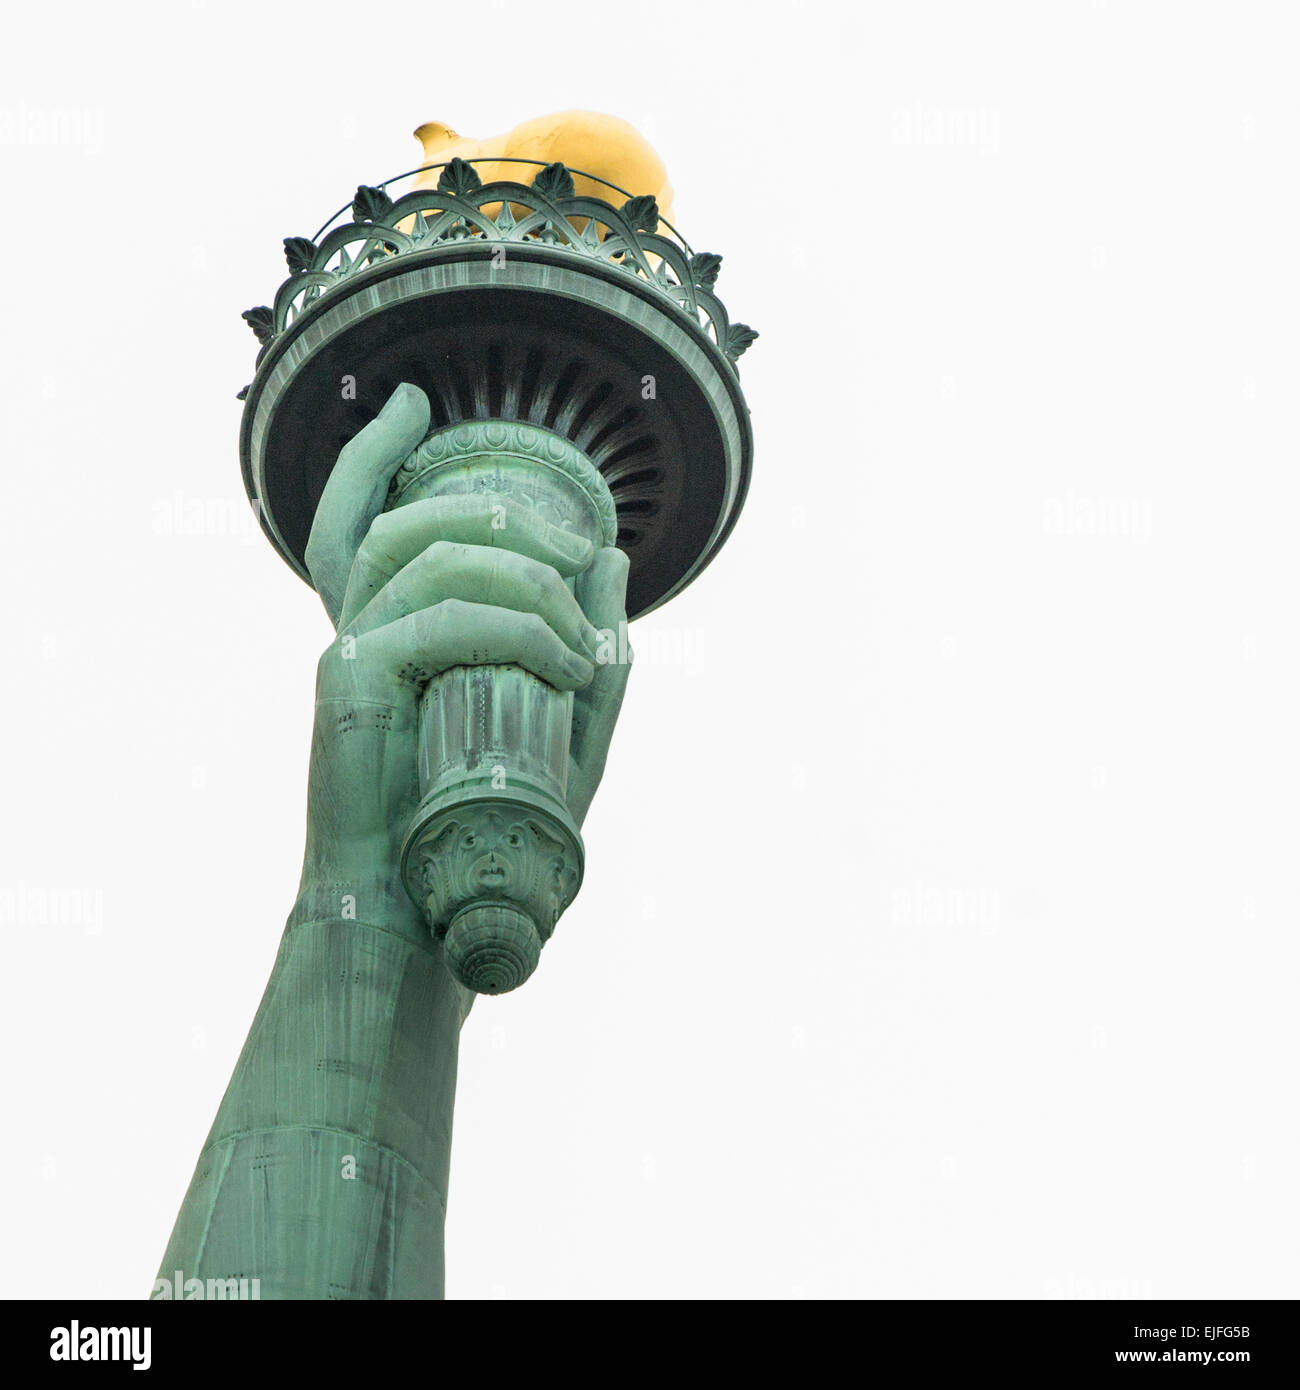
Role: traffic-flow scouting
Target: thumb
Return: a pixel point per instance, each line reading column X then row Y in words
column 355, row 492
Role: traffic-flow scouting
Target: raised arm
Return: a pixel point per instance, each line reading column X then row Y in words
column 325, row 1173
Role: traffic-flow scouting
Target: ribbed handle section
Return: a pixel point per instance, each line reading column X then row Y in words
column 491, row 727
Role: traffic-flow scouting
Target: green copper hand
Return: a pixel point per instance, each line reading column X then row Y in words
column 447, row 581
column 325, row 1172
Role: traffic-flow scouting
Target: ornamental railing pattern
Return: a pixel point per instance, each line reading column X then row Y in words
column 548, row 212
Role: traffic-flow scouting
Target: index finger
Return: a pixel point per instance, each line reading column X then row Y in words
column 398, row 537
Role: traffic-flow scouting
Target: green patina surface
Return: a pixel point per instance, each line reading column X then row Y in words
column 477, row 559
column 476, row 573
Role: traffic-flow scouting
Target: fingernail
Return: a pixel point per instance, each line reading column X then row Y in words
column 591, row 640
column 400, row 393
column 579, row 551
column 578, row 670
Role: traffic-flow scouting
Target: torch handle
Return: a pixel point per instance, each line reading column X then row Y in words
column 493, row 855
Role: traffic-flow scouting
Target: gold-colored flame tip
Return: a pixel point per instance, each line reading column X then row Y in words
column 434, row 132
column 589, row 141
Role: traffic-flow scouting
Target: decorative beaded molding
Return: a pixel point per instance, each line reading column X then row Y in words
column 625, row 237
column 475, row 438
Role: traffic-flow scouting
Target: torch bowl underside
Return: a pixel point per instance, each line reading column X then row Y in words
column 586, row 351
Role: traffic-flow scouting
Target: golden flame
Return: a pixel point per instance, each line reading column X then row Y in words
column 601, row 145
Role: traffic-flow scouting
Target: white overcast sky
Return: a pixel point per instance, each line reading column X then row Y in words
column 939, row 930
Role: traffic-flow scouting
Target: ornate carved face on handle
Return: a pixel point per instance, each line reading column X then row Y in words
column 491, row 853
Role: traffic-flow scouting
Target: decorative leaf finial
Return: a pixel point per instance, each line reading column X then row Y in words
column 298, row 252
column 704, row 266
column 739, row 337
column 370, row 204
column 643, row 213
column 261, row 320
column 459, row 177
column 554, row 182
